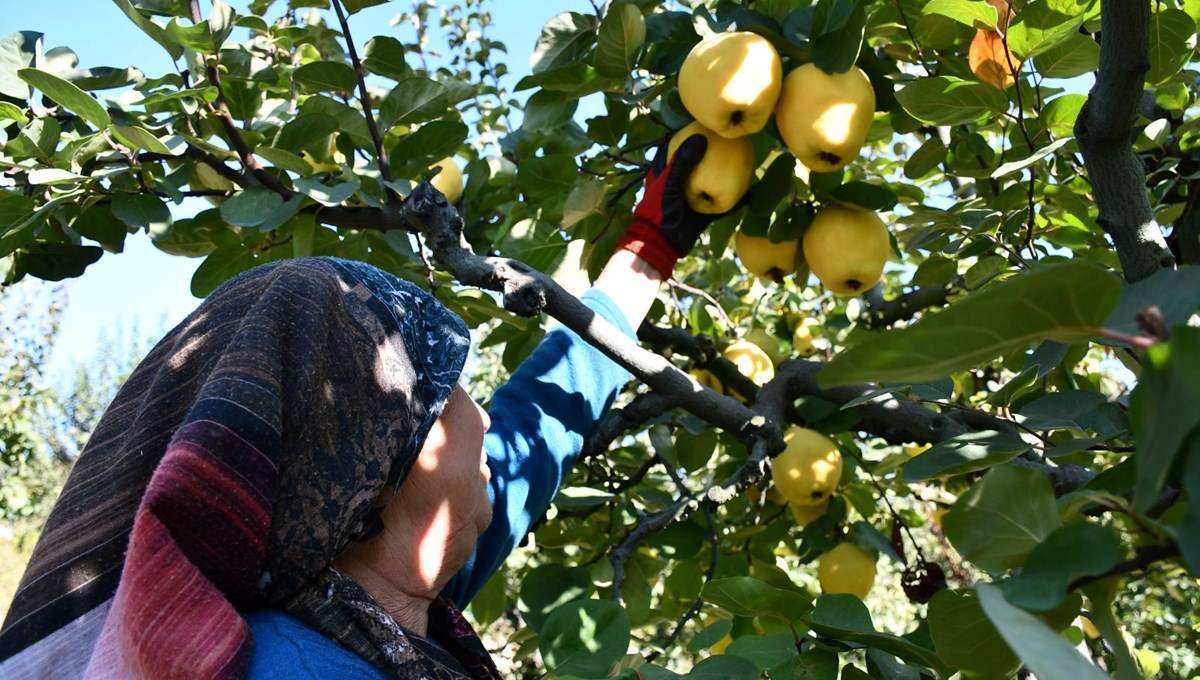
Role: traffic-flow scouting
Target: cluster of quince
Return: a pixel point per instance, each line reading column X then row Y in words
column 731, row 83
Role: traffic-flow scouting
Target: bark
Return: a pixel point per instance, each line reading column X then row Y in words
column 1105, row 134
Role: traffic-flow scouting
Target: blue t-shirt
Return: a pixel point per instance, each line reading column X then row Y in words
column 540, row 420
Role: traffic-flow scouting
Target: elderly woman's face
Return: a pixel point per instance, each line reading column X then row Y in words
column 445, row 498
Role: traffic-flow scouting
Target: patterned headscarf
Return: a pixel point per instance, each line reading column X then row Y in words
column 248, row 449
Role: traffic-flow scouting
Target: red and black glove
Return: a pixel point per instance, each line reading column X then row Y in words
column 664, row 227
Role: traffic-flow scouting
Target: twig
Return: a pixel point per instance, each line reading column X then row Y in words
column 384, row 170
column 679, row 285
column 698, row 602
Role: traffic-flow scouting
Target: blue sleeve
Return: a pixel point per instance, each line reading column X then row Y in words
column 540, row 419
column 283, row 648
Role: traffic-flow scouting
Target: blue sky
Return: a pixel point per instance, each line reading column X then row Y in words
column 142, row 290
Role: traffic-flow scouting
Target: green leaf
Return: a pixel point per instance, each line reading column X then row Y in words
column 694, row 451
column 306, row 132
column 581, row 497
column 1176, row 293
column 143, row 211
column 157, row 33
column 99, row 224
column 671, row 36
column 326, row 195
column 537, row 243
column 1077, row 55
column 925, row 159
column 585, row 200
column 1161, row 427
column 585, row 638
column 548, row 588
column 945, row 100
column 565, row 38
column 722, row 667
column 1043, row 24
column 973, row 13
column 248, row 208
column 413, row 100
column 877, row 197
column 17, row 50
column 354, row 6
column 222, row 264
column 543, row 177
column 56, row 261
column 1020, row 384
column 839, row 34
column 963, row 454
column 867, row 536
column 1187, row 533
column 1082, row 549
column 137, row 137
column 746, row 596
column 966, row 639
column 326, row 76
column 1172, row 43
column 548, row 110
column 1066, row 301
column 846, row 618
column 988, row 528
column 284, row 159
column 384, row 56
column 1041, row 649
column 769, row 651
column 1075, row 410
column 50, row 176
column 68, row 96
column 621, row 36
column 431, row 142
column 9, row 111
column 198, row 37
column 1020, row 164
column 1060, row 114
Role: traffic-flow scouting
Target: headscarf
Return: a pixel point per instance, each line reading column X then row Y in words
column 245, row 452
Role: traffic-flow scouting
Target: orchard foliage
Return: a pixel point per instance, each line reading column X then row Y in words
column 1032, row 325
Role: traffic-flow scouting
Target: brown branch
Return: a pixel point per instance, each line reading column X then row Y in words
column 384, row 170
column 641, row 409
column 528, row 292
column 220, row 109
column 905, row 306
column 1104, row 131
column 698, row 603
column 671, row 339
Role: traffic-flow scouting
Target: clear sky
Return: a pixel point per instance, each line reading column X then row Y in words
column 143, row 290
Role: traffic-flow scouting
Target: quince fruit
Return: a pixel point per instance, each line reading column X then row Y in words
column 730, row 82
column 991, row 61
column 846, row 248
column 768, row 342
column 846, row 568
column 707, row 379
column 761, row 257
column 823, row 118
column 802, row 338
column 751, row 361
column 807, row 514
column 449, row 181
column 808, row 470
column 722, row 177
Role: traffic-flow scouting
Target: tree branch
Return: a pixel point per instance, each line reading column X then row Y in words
column 384, row 170
column 905, row 306
column 641, row 409
column 1104, row 131
column 528, row 292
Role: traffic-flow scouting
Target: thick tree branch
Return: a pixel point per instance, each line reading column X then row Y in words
column 1104, row 131
column 643, row 408
column 1144, row 557
column 904, row 307
column 528, row 292
column 1186, row 235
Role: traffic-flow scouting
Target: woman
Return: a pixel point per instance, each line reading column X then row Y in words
column 292, row 483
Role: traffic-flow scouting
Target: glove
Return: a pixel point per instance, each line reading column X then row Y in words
column 664, row 227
